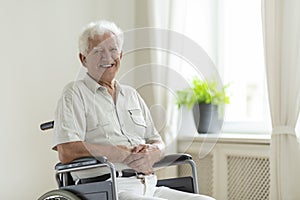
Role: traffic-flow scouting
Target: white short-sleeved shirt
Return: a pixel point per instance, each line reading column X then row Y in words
column 87, row 112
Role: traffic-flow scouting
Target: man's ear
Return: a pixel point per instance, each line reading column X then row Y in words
column 82, row 59
column 121, row 55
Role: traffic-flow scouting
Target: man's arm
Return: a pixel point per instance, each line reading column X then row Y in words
column 72, row 150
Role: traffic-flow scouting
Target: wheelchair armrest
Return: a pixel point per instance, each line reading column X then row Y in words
column 81, row 162
column 178, row 159
column 168, row 160
column 173, row 159
column 63, row 170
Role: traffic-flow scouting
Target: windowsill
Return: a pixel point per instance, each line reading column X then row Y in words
column 241, row 133
column 234, row 138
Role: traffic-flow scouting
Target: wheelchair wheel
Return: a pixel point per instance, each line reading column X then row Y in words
column 59, row 195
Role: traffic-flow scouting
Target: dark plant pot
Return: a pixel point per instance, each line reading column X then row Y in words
column 207, row 118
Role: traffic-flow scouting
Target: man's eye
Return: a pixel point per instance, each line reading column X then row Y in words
column 97, row 51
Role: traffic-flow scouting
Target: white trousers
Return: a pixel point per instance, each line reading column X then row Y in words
column 145, row 189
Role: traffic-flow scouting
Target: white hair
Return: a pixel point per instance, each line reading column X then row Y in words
column 99, row 28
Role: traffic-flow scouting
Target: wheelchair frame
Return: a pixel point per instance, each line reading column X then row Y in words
column 91, row 191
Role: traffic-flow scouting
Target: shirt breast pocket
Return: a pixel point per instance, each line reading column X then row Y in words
column 137, row 124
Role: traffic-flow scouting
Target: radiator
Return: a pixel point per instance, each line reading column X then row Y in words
column 232, row 176
column 248, row 177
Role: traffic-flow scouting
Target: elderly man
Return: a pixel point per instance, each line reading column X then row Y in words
column 97, row 116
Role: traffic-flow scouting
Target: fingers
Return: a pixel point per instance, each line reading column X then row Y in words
column 142, row 158
column 140, row 162
column 133, row 157
column 137, row 149
column 137, row 163
column 141, row 166
column 140, row 148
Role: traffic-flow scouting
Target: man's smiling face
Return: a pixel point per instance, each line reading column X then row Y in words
column 103, row 57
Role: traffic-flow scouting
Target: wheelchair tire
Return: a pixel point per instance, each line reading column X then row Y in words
column 59, row 195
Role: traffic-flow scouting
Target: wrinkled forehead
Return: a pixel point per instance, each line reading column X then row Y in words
column 106, row 40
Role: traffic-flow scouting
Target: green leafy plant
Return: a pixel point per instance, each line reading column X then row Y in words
column 202, row 92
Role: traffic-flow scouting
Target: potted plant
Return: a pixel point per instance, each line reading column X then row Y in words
column 207, row 102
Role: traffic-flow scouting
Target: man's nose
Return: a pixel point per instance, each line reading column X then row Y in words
column 106, row 55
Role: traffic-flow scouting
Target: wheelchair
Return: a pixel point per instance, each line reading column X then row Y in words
column 107, row 190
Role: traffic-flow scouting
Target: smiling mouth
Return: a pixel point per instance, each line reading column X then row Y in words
column 106, row 65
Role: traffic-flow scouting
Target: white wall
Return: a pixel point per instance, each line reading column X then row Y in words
column 38, row 57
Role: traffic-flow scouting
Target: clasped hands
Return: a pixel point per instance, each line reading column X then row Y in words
column 142, row 157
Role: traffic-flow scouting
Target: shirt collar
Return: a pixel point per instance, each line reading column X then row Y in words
column 91, row 83
column 94, row 86
column 119, row 88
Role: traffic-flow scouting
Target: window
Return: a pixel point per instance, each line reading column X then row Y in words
column 230, row 31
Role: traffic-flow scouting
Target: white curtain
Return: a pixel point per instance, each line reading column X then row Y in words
column 154, row 18
column 173, row 15
column 281, row 28
column 162, row 17
column 167, row 15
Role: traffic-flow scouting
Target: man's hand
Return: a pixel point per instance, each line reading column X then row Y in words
column 119, row 153
column 143, row 157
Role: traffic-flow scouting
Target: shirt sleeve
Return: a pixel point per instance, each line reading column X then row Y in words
column 69, row 120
